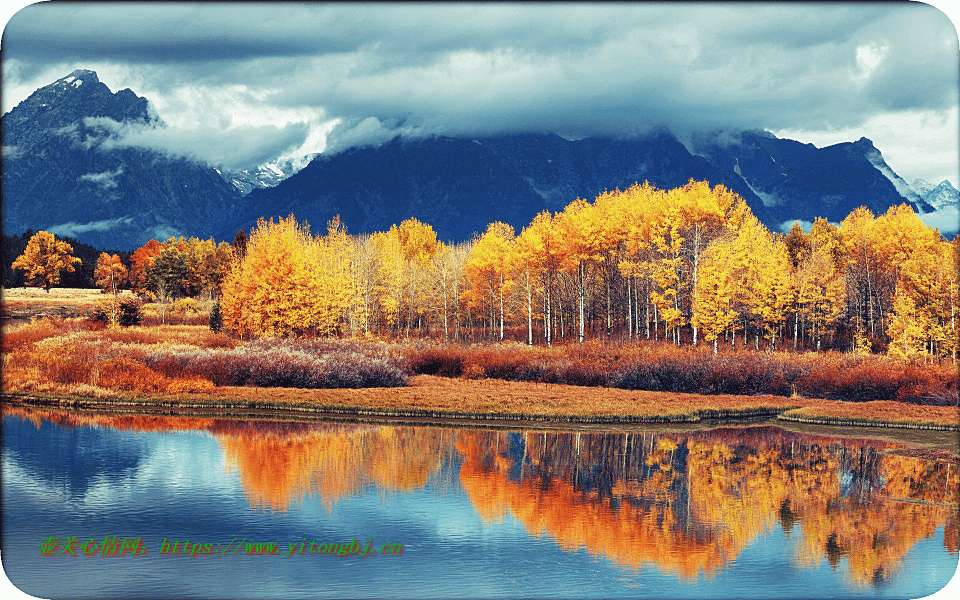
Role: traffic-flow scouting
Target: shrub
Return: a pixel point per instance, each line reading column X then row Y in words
column 281, row 363
column 125, row 311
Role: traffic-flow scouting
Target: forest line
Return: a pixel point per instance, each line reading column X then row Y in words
column 691, row 265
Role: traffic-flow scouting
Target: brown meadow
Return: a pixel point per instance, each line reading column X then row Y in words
column 190, row 366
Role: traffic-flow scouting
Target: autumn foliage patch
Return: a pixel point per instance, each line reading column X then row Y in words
column 652, row 367
column 72, row 354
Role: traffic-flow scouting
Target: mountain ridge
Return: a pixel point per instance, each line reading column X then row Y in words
column 66, row 171
column 63, row 171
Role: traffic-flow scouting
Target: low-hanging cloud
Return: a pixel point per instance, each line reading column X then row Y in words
column 233, row 148
column 107, row 179
column 464, row 69
column 74, row 229
column 947, row 220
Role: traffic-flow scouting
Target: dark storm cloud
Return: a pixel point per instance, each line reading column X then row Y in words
column 462, row 69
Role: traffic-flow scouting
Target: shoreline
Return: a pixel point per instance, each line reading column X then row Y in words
column 501, row 403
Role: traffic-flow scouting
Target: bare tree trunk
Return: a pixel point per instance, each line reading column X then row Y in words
column 581, row 293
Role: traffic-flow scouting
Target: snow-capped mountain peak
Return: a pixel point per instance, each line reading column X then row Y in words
column 942, row 196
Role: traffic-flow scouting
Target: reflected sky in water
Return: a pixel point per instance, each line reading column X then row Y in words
column 751, row 512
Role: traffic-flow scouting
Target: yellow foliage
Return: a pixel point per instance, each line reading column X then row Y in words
column 45, row 259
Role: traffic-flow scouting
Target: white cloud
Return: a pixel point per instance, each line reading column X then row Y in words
column 464, row 69
column 73, row 229
column 869, row 58
column 107, row 179
column 234, row 148
column 947, row 220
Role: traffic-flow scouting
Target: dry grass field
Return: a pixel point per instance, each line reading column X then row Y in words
column 186, row 367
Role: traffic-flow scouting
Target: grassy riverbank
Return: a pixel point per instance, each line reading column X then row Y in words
column 496, row 400
column 78, row 362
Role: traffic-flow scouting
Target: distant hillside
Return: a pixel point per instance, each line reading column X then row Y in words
column 800, row 181
column 460, row 185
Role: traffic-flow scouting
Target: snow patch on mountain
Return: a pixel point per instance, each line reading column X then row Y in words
column 945, row 201
column 266, row 175
column 942, row 196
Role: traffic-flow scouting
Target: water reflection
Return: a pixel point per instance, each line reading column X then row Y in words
column 687, row 504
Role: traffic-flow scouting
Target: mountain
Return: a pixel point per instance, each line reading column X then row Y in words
column 800, row 181
column 67, row 170
column 940, row 197
column 459, row 186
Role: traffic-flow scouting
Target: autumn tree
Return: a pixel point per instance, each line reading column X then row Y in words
column 271, row 291
column 418, row 246
column 141, row 263
column 490, row 271
column 111, row 273
column 240, row 244
column 390, row 268
column 715, row 291
column 581, row 242
column 289, row 282
column 45, row 259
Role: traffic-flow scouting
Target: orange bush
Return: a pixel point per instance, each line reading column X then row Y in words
column 664, row 367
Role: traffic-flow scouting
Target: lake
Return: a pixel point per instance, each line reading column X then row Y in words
column 142, row 506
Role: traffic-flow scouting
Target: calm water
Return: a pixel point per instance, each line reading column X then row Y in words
column 745, row 512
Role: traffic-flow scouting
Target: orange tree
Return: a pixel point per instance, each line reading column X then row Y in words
column 44, row 259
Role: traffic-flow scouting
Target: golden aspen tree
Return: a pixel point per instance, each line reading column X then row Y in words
column 579, row 229
column 668, row 241
column 798, row 244
column 274, row 290
column 613, row 212
column 489, row 270
column 44, row 260
column 445, row 281
column 765, row 284
column 820, row 294
column 952, row 263
column 714, row 292
column 364, row 276
column 332, row 278
column 858, row 234
column 927, row 278
column 705, row 215
column 642, row 204
column 390, row 273
column 541, row 247
column 532, row 257
column 906, row 329
column 418, row 243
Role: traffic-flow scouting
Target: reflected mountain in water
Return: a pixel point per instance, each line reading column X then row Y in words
column 70, row 459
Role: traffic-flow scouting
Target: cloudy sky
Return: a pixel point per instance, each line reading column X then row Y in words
column 240, row 85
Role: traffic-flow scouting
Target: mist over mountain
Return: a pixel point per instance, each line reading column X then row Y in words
column 78, row 161
column 68, row 169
